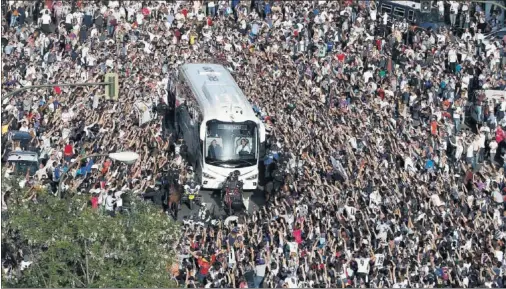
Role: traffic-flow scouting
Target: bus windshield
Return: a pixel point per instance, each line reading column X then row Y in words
column 231, row 144
column 23, row 166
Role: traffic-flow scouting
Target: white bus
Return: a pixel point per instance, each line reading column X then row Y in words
column 218, row 124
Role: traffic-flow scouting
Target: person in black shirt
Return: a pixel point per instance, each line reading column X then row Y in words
column 214, row 151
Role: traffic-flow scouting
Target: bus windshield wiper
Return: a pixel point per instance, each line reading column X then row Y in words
column 214, row 162
column 240, row 161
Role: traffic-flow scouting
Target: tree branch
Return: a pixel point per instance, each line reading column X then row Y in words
column 87, row 267
column 40, row 271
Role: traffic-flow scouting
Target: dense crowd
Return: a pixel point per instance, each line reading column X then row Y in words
column 383, row 183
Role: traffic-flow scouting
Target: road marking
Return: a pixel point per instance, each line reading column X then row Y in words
column 245, row 200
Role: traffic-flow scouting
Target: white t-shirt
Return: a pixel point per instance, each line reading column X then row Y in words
column 482, row 139
column 436, row 201
column 67, row 116
column 493, row 146
column 109, row 203
column 140, row 18
column 454, row 7
column 372, row 14
column 363, row 265
column 367, row 76
column 119, row 201
column 499, row 255
column 242, row 148
column 68, row 18
column 452, row 56
column 385, row 18
column 380, row 259
column 470, row 151
column 41, row 173
column 46, row 19
column 502, row 107
column 343, row 272
column 293, row 247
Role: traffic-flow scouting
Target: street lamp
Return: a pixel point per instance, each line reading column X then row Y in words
column 124, row 157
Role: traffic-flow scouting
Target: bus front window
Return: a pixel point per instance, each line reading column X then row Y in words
column 231, row 144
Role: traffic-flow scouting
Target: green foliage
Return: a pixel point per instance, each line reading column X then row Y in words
column 72, row 245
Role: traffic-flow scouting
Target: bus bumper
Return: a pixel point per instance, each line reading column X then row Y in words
column 213, row 184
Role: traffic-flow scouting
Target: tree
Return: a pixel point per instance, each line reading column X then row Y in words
column 72, row 245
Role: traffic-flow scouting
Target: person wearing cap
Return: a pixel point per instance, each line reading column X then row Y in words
column 204, row 265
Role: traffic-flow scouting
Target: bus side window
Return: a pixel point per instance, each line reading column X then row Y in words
column 386, row 8
column 399, row 13
column 411, row 15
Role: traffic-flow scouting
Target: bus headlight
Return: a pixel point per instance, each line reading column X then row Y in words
column 253, row 177
column 208, row 176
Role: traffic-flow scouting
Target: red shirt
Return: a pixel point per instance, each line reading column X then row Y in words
column 68, row 151
column 94, row 202
column 297, row 234
column 378, row 44
column 340, row 57
column 381, row 93
column 499, row 135
column 184, row 12
column 204, row 266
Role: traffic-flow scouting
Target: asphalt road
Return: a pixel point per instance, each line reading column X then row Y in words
column 212, row 201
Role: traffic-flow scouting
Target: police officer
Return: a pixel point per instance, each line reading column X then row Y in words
column 173, row 174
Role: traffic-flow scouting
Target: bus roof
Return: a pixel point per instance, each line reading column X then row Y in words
column 218, row 94
column 23, row 156
column 410, row 4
